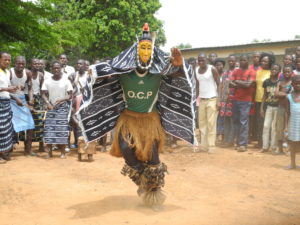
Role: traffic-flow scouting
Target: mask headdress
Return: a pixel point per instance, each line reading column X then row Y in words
column 146, row 36
column 146, row 33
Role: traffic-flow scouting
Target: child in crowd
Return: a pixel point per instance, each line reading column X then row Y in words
column 293, row 116
column 284, row 87
column 287, row 61
column 297, row 64
column 252, row 118
column 266, row 60
column 220, row 64
column 270, row 114
column 226, row 95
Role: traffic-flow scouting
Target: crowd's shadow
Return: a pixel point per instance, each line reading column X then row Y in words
column 115, row 203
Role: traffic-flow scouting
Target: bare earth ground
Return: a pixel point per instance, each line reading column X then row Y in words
column 224, row 188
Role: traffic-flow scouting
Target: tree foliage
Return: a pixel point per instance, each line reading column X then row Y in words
column 183, row 46
column 24, row 28
column 80, row 28
column 261, row 41
column 115, row 23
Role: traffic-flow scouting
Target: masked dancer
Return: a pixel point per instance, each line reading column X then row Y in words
column 145, row 93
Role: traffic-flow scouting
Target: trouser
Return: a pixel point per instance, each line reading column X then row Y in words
column 280, row 124
column 241, row 121
column 220, row 125
column 228, row 129
column 207, row 122
column 149, row 176
column 252, row 128
column 259, row 124
column 131, row 159
column 270, row 128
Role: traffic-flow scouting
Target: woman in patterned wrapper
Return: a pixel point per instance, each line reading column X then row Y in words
column 139, row 134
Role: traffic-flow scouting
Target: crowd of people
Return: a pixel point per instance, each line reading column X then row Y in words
column 39, row 106
column 244, row 103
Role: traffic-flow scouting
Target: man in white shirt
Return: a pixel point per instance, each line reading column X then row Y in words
column 22, row 118
column 42, row 69
column 208, row 82
column 57, row 93
column 6, row 127
column 37, row 106
column 66, row 70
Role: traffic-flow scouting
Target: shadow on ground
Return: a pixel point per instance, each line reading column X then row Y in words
column 115, row 203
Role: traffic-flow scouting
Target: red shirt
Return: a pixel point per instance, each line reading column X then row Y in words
column 252, row 67
column 244, row 94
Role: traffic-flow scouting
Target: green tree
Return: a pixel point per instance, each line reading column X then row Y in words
column 81, row 28
column 261, row 41
column 109, row 26
column 24, row 28
column 183, row 46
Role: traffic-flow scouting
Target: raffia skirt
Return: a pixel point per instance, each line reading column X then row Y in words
column 140, row 131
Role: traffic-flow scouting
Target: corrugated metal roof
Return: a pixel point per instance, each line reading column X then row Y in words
column 246, row 44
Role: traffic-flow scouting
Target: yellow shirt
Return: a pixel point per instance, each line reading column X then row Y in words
column 261, row 76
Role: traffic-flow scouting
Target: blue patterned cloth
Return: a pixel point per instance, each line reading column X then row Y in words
column 103, row 98
column 56, row 129
column 22, row 118
column 294, row 128
column 6, row 127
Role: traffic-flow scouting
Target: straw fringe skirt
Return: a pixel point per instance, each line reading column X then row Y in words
column 140, row 131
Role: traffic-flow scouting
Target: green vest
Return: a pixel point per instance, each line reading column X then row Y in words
column 140, row 93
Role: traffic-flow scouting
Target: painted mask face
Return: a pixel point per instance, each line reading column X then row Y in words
column 145, row 50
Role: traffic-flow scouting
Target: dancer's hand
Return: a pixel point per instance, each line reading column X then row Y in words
column 176, row 57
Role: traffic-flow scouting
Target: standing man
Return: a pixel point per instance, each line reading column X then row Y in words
column 243, row 81
column 87, row 64
column 208, row 78
column 79, row 82
column 297, row 53
column 22, row 118
column 212, row 58
column 255, row 61
column 255, row 66
column 226, row 105
column 57, row 93
column 6, row 127
column 36, row 135
column 66, row 70
column 42, row 67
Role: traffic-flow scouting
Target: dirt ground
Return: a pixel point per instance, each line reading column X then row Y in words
column 224, row 188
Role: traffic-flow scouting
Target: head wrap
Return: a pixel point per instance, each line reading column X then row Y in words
column 146, row 33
